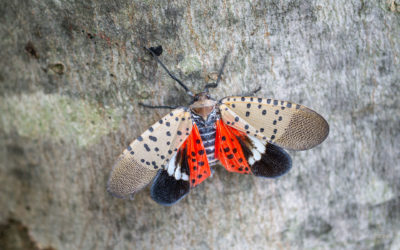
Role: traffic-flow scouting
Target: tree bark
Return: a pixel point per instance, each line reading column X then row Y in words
column 73, row 72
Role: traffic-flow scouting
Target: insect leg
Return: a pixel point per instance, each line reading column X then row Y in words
column 253, row 92
column 158, row 106
column 169, row 73
column 214, row 85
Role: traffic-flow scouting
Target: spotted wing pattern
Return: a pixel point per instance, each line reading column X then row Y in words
column 139, row 163
column 285, row 124
column 197, row 159
column 228, row 149
column 246, row 154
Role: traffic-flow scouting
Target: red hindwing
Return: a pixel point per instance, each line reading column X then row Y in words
column 197, row 158
column 228, row 149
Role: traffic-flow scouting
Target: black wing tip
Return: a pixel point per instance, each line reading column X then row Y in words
column 167, row 191
column 277, row 175
column 274, row 163
column 274, row 176
column 165, row 202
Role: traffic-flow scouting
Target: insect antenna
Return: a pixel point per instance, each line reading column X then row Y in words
column 157, row 107
column 215, row 84
column 253, row 92
column 169, row 73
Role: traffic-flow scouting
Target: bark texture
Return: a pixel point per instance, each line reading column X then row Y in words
column 72, row 74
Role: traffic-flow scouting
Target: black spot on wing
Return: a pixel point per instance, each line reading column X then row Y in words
column 274, row 162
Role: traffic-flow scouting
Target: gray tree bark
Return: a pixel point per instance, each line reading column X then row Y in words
column 72, row 74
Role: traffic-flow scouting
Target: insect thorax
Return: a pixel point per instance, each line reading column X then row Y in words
column 207, row 131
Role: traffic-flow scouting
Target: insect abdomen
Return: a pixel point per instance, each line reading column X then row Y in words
column 207, row 134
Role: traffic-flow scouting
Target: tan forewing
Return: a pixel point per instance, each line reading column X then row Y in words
column 139, row 163
column 286, row 124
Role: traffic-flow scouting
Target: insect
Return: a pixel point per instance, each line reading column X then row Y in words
column 244, row 134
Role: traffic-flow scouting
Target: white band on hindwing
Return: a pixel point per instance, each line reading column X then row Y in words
column 174, row 169
column 257, row 151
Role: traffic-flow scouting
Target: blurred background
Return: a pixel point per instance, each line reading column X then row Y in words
column 72, row 74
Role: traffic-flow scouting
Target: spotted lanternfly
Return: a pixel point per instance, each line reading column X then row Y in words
column 244, row 134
